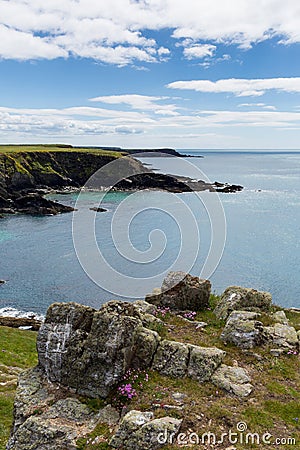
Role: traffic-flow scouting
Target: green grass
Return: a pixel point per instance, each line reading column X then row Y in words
column 17, row 352
column 272, row 407
column 13, row 149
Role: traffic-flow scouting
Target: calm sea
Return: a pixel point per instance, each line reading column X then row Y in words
column 262, row 248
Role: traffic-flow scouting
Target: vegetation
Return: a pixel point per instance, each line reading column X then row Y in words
column 13, row 149
column 273, row 407
column 17, row 352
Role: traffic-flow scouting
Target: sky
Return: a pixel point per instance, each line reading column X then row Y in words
column 193, row 74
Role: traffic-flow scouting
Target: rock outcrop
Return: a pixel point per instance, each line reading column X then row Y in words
column 90, row 351
column 244, row 330
column 236, row 298
column 182, row 291
column 140, row 431
column 282, row 336
column 233, row 379
column 47, row 418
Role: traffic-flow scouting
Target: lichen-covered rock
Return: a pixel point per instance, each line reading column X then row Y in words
column 150, row 321
column 176, row 359
column 182, row 291
column 171, row 359
column 32, row 394
column 203, row 362
column 243, row 330
column 145, row 307
column 139, row 431
column 43, row 420
column 91, row 350
column 236, row 298
column 281, row 335
column 233, row 379
column 280, row 317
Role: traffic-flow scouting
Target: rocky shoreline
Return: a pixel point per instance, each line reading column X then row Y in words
column 25, row 177
column 98, row 354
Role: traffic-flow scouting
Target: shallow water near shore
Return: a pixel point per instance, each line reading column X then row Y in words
column 262, row 248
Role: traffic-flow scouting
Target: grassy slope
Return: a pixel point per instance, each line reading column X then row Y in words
column 273, row 406
column 13, row 149
column 17, row 352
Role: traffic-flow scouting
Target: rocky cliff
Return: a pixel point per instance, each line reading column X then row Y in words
column 25, row 174
column 91, row 358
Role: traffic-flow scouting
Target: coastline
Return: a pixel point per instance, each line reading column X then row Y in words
column 28, row 174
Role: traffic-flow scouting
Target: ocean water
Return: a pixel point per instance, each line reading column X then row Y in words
column 143, row 235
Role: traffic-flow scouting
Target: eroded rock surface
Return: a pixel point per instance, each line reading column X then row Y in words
column 233, row 379
column 91, row 350
column 244, row 330
column 45, row 417
column 282, row 335
column 182, row 291
column 236, row 298
column 139, row 431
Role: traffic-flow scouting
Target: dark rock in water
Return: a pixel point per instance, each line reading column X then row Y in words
column 182, row 291
column 152, row 180
column 98, row 209
column 5, row 202
column 229, row 188
column 89, row 350
column 2, row 281
column 36, row 204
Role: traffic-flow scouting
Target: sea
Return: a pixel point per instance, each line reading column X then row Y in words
column 249, row 238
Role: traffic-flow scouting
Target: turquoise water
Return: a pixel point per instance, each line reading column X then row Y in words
column 261, row 251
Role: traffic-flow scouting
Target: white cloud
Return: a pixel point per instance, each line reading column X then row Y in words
column 240, row 87
column 105, row 31
column 140, row 102
column 143, row 128
column 25, row 46
column 199, row 51
column 257, row 105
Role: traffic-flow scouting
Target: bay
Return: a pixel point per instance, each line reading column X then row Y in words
column 39, row 261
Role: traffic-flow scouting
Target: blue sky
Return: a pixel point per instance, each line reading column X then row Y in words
column 151, row 73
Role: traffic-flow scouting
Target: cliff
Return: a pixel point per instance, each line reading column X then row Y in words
column 25, row 172
column 28, row 172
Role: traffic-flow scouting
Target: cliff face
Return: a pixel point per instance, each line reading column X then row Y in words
column 23, row 170
column 22, row 173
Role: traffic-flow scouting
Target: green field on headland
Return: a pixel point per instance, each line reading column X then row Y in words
column 11, row 148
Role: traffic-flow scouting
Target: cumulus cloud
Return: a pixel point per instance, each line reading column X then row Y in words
column 23, row 45
column 119, row 31
column 199, row 51
column 240, row 87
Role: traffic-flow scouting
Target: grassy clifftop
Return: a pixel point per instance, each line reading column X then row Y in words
column 14, row 149
column 23, row 167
